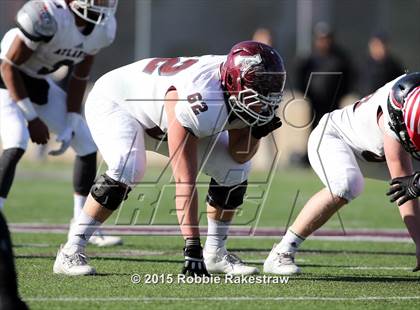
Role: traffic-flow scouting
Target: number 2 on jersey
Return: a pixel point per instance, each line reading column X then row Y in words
column 168, row 66
column 199, row 107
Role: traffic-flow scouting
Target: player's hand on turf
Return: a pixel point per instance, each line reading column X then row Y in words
column 38, row 131
column 195, row 267
column 262, row 131
column 72, row 123
column 194, row 262
column 404, row 189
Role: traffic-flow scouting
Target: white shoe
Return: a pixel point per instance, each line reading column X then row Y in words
column 281, row 263
column 222, row 261
column 101, row 240
column 72, row 263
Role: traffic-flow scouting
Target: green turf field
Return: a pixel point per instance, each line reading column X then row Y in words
column 337, row 274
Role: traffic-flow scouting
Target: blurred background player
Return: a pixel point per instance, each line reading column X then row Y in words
column 50, row 34
column 317, row 74
column 324, row 77
column 263, row 35
column 380, row 66
column 372, row 138
column 207, row 114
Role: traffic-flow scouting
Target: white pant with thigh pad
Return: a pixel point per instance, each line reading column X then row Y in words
column 123, row 142
column 13, row 126
column 213, row 157
column 334, row 162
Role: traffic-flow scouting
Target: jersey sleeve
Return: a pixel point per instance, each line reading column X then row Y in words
column 387, row 128
column 35, row 23
column 187, row 118
column 385, row 90
column 108, row 35
column 203, row 115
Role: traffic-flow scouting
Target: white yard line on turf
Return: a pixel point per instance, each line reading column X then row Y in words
column 376, row 268
column 225, row 298
column 364, row 235
column 361, row 239
column 299, row 261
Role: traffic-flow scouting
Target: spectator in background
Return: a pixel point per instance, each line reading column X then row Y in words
column 325, row 90
column 263, row 35
column 380, row 66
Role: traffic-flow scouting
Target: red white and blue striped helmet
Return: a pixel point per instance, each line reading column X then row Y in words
column 404, row 111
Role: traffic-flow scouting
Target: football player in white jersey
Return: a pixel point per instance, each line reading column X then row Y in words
column 372, row 138
column 207, row 114
column 49, row 34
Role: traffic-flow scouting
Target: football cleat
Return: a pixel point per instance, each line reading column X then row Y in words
column 72, row 262
column 221, row 261
column 281, row 263
column 101, row 240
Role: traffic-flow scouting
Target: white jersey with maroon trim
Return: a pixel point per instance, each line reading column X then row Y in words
column 357, row 124
column 48, row 28
column 140, row 88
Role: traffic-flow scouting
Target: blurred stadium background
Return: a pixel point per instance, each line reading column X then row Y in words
column 338, row 267
column 167, row 28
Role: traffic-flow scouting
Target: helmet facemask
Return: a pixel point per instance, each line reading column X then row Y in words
column 94, row 11
column 253, row 108
column 256, row 104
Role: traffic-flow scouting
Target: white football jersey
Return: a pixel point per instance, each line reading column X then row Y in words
column 48, row 28
column 357, row 124
column 140, row 88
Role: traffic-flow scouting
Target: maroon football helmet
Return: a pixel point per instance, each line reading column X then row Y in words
column 254, row 77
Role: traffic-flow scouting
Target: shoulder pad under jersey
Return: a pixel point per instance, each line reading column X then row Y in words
column 36, row 22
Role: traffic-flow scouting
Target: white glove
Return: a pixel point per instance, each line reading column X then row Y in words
column 72, row 123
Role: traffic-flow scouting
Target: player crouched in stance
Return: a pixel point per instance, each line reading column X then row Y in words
column 372, row 138
column 212, row 110
column 52, row 33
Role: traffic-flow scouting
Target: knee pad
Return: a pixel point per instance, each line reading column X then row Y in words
column 109, row 193
column 84, row 173
column 226, row 197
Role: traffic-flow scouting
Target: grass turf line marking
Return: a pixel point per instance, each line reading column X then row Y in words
column 261, row 261
column 224, row 298
column 377, row 268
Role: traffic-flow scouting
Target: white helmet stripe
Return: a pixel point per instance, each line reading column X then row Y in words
column 408, row 109
column 413, row 105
